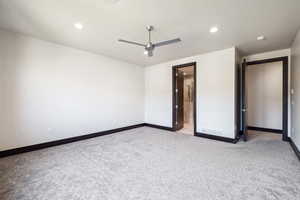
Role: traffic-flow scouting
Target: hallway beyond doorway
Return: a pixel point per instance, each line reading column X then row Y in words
column 185, row 98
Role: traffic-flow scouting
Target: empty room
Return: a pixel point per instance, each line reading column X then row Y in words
column 149, row 100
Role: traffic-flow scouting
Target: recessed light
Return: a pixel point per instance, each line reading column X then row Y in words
column 214, row 29
column 261, row 37
column 78, row 25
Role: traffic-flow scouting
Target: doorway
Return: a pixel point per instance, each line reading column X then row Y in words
column 184, row 98
column 264, row 97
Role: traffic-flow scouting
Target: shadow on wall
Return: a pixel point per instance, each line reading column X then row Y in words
column 52, row 92
column 29, row 98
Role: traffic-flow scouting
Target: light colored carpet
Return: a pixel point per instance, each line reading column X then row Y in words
column 152, row 164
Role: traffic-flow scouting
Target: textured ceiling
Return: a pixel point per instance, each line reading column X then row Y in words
column 239, row 22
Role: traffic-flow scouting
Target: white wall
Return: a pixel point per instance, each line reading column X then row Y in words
column 264, row 95
column 215, row 92
column 50, row 92
column 295, row 135
column 275, row 54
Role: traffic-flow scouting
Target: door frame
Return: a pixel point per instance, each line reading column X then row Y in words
column 244, row 108
column 285, row 89
column 174, row 68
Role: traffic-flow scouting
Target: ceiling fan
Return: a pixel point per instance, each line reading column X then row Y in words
column 149, row 47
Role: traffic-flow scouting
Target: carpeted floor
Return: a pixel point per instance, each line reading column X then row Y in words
column 152, row 164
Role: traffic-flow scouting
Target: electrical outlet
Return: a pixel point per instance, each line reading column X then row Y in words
column 212, row 131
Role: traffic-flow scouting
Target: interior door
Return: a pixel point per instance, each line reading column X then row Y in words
column 244, row 102
column 179, row 81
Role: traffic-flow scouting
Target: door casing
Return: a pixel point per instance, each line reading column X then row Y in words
column 174, row 68
column 285, row 92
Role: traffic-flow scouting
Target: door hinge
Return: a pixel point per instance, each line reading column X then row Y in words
column 292, row 91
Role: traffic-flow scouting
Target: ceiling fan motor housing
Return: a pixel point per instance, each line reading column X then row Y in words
column 149, row 48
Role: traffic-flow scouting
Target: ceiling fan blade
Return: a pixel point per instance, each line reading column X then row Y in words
column 135, row 43
column 167, row 42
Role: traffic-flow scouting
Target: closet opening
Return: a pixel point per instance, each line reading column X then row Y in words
column 264, row 98
column 184, row 98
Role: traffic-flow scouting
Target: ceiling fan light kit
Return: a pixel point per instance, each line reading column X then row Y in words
column 149, row 47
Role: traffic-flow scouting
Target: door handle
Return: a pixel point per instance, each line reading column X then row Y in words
column 244, row 110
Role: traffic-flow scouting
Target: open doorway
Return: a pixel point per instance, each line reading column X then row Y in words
column 264, row 97
column 184, row 101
